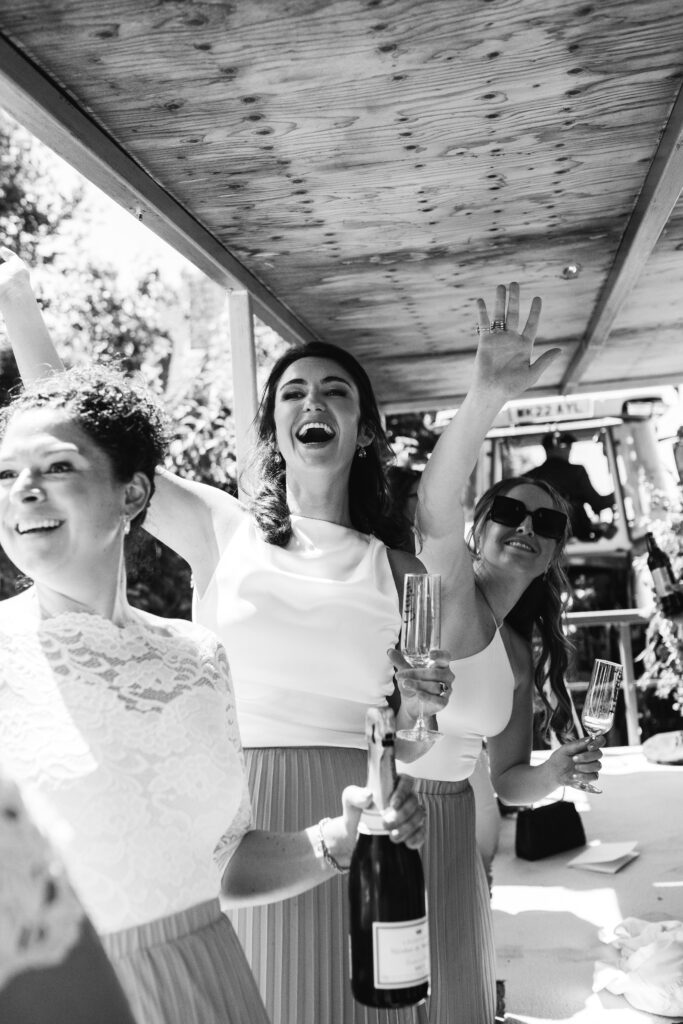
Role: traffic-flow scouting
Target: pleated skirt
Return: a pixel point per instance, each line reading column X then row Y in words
column 188, row 968
column 460, row 922
column 298, row 949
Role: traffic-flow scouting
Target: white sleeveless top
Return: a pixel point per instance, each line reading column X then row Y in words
column 124, row 742
column 480, row 705
column 306, row 629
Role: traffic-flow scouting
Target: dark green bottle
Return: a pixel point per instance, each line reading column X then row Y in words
column 389, row 928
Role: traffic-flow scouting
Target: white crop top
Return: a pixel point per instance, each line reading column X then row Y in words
column 125, row 744
column 480, row 705
column 306, row 629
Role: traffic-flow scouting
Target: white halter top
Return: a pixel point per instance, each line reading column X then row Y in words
column 306, row 629
column 480, row 705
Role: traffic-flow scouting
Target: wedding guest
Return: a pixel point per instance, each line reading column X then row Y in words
column 121, row 726
column 303, row 588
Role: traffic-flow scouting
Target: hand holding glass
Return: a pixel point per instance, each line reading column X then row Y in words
column 599, row 706
column 420, row 634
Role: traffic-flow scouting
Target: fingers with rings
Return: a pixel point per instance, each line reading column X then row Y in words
column 501, row 320
column 495, row 325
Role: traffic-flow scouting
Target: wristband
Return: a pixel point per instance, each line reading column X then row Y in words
column 327, row 856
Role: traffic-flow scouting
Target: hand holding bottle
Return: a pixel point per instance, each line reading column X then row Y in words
column 404, row 818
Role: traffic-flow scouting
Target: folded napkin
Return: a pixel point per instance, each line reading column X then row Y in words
column 605, row 857
column 650, row 970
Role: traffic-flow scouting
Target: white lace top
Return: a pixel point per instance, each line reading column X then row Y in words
column 306, row 628
column 126, row 747
column 40, row 917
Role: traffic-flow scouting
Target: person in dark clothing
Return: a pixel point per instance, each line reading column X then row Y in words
column 571, row 481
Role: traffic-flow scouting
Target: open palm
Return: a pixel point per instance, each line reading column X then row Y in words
column 504, row 356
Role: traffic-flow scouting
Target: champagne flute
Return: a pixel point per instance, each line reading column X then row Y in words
column 420, row 634
column 599, row 706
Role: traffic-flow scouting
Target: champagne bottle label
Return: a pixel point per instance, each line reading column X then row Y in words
column 400, row 953
column 662, row 582
column 371, row 823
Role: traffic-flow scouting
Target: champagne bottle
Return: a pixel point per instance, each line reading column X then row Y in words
column 670, row 599
column 389, row 930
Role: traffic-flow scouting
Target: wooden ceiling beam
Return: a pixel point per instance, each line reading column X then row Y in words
column 658, row 196
column 36, row 102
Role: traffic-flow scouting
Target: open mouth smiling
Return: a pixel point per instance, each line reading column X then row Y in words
column 522, row 545
column 40, row 526
column 315, row 432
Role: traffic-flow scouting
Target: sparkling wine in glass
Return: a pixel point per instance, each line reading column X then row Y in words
column 420, row 634
column 600, row 704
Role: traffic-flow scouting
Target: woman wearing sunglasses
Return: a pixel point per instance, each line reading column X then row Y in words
column 505, row 583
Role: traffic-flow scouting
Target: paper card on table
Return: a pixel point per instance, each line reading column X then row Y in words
column 606, row 857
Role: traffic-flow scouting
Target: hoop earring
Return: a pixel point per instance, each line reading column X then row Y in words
column 361, row 452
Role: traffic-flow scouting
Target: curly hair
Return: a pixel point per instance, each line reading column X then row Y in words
column 119, row 415
column 370, row 505
column 541, row 608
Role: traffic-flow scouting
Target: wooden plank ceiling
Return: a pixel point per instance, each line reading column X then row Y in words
column 369, row 167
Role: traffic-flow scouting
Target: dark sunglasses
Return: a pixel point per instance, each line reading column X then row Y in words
column 547, row 522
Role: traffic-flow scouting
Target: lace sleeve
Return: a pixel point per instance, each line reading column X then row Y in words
column 40, row 917
column 243, row 820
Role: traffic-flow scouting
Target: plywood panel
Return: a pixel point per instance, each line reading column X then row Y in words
column 380, row 163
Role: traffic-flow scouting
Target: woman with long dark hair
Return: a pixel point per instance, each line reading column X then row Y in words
column 303, row 589
column 508, row 584
column 498, row 589
column 120, row 726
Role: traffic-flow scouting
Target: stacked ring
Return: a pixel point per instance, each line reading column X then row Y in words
column 498, row 325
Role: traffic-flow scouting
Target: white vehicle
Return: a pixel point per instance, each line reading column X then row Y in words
column 627, row 443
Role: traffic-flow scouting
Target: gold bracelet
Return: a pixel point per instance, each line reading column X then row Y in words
column 327, row 856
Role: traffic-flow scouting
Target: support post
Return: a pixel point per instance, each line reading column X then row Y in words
column 245, row 399
column 630, row 692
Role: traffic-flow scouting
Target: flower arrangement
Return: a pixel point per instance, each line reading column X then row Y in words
column 662, row 655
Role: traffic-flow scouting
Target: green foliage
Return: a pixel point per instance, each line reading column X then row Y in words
column 92, row 317
column 662, row 656
column 32, row 204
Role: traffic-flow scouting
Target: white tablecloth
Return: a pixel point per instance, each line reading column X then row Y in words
column 547, row 915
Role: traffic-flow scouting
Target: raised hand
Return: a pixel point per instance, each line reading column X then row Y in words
column 503, row 362
column 14, row 273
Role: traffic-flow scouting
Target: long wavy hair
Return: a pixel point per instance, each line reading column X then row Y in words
column 370, row 505
column 539, row 612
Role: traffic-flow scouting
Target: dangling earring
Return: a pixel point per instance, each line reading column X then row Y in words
column 126, row 525
column 361, row 452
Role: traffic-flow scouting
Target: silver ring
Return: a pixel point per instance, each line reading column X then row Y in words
column 498, row 325
column 483, row 330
